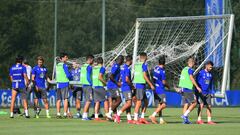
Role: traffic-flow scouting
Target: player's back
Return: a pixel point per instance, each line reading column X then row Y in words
column 125, row 71
column 17, row 72
column 115, row 71
column 159, row 76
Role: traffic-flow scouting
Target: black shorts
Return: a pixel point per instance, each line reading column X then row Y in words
column 40, row 94
column 77, row 93
column 160, row 97
column 203, row 98
column 133, row 93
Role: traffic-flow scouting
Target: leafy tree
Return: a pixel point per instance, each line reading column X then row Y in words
column 27, row 27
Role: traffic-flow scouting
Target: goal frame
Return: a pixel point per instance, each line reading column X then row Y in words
column 226, row 67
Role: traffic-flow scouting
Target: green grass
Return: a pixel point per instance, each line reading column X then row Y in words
column 228, row 122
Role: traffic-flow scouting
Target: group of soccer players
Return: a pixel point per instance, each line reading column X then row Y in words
column 23, row 77
column 91, row 80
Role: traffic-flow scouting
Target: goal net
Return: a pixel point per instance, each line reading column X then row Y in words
column 202, row 37
column 178, row 38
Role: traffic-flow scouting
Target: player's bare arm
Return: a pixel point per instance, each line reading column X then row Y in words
column 195, row 84
column 165, row 83
column 128, row 80
column 148, row 81
column 100, row 77
column 26, row 78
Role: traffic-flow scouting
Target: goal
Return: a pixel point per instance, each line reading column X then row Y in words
column 202, row 37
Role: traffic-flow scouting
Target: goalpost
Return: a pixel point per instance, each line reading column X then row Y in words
column 202, row 37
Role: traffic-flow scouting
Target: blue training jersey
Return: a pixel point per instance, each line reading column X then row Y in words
column 144, row 69
column 190, row 72
column 17, row 72
column 115, row 71
column 204, row 80
column 125, row 72
column 76, row 75
column 158, row 76
column 40, row 76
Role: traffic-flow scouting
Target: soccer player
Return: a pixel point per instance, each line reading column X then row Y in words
column 39, row 78
column 186, row 84
column 19, row 79
column 100, row 94
column 77, row 89
column 159, row 77
column 86, row 81
column 205, row 82
column 29, row 87
column 62, row 78
column 29, row 71
column 140, row 79
column 113, row 85
column 126, row 88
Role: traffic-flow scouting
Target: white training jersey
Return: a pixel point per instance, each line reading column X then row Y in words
column 29, row 72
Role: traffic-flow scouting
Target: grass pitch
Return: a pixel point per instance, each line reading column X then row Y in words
column 228, row 122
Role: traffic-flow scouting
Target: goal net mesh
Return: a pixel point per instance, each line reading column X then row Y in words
column 178, row 38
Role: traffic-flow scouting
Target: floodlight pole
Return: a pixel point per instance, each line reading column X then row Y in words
column 103, row 30
column 55, row 37
column 55, row 30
